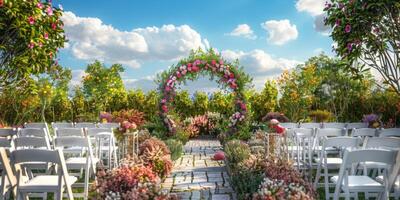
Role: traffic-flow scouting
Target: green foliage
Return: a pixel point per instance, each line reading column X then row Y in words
column 200, row 103
column 320, row 115
column 367, row 30
column 236, row 151
column 183, row 105
column 246, row 183
column 103, row 86
column 31, row 33
column 175, row 147
column 265, row 101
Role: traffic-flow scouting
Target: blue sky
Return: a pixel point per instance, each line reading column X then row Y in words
column 148, row 36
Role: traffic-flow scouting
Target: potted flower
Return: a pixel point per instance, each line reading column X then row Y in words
column 373, row 120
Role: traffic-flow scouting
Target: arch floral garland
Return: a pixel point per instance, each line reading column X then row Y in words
column 231, row 77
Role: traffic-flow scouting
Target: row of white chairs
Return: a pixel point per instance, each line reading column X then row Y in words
column 308, row 147
column 325, row 125
column 26, row 166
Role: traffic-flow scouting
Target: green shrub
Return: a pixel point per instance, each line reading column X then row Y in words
column 236, row 151
column 175, row 147
column 181, row 135
column 246, row 183
column 321, row 115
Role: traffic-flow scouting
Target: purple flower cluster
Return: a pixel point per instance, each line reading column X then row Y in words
column 370, row 118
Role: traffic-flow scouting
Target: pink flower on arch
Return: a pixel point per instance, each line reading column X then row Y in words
column 31, row 20
column 338, row 21
column 53, row 26
column 347, row 29
column 164, row 108
column 221, row 62
column 49, row 11
column 350, row 46
column 39, row 5
column 31, row 45
column 46, row 36
column 213, row 62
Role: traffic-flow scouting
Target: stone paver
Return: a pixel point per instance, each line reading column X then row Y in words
column 197, row 176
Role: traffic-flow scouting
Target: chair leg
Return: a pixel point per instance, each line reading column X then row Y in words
column 326, row 183
column 317, row 176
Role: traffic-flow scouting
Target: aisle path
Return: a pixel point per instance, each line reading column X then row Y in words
column 197, row 176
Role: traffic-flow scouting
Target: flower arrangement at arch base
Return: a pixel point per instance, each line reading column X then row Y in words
column 230, row 77
column 137, row 177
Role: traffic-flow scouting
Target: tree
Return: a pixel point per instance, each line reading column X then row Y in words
column 103, row 85
column 200, row 103
column 265, row 101
column 369, row 31
column 61, row 108
column 183, row 105
column 136, row 99
column 31, row 32
column 221, row 103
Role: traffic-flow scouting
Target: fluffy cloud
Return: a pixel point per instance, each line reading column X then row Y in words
column 77, row 76
column 280, row 32
column 260, row 65
column 319, row 24
column 313, row 7
column 89, row 39
column 243, row 30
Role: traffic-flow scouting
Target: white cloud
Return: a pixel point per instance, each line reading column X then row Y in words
column 319, row 25
column 77, row 76
column 243, row 30
column 260, row 65
column 313, row 7
column 90, row 39
column 280, row 31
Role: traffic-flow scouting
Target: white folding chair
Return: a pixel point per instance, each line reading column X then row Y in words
column 363, row 133
column 356, row 125
column 85, row 161
column 42, row 183
column 334, row 125
column 108, row 125
column 66, row 132
column 390, row 132
column 8, row 179
column 352, row 184
column 38, row 126
column 302, row 149
column 61, row 125
column 382, row 142
column 310, row 125
column 104, row 142
column 326, row 132
column 85, row 125
column 332, row 163
column 289, row 125
column 6, row 136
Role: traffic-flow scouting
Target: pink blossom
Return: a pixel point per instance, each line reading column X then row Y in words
column 167, row 89
column 46, row 36
column 39, row 5
column 347, row 29
column 213, row 62
column 221, row 62
column 49, row 11
column 231, row 75
column 189, row 69
column 243, row 106
column 163, row 101
column 164, row 108
column 183, row 72
column 233, row 85
column 338, row 21
column 179, row 75
column 349, row 46
column 53, row 26
column 31, row 20
column 31, row 45
column 189, row 65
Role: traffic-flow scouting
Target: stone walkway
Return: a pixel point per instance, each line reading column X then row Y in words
column 197, row 176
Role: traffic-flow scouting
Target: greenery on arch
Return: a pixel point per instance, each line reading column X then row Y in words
column 230, row 76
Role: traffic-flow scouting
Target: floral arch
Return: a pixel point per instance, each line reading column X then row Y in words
column 199, row 63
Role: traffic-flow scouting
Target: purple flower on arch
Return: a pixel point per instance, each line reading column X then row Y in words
column 338, row 21
column 347, row 29
column 350, row 46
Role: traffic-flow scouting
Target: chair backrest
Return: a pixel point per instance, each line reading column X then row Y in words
column 31, row 143
column 330, row 132
column 85, row 125
column 36, row 125
column 35, row 132
column 382, row 142
column 108, row 125
column 92, row 132
column 334, row 125
column 64, row 132
column 340, row 142
column 390, row 132
column 310, row 125
column 5, row 142
column 289, row 125
column 8, row 132
column 362, row 132
column 303, row 132
column 61, row 125
column 356, row 125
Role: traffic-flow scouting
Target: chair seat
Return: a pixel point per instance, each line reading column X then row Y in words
column 361, row 183
column 332, row 162
column 44, row 183
column 380, row 180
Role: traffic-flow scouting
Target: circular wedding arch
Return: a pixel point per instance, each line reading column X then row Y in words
column 230, row 77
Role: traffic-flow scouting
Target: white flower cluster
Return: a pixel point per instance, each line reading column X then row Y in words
column 113, row 196
column 235, row 118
